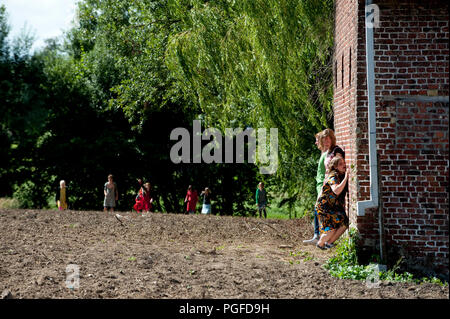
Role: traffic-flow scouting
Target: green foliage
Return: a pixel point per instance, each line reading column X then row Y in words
column 4, row 31
column 106, row 99
column 23, row 194
column 9, row 203
column 119, row 51
column 130, row 39
column 283, row 207
column 275, row 74
column 22, row 108
column 344, row 264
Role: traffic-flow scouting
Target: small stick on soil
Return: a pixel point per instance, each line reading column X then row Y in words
column 117, row 217
column 254, row 228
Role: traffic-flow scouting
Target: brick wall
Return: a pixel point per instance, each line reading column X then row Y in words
column 412, row 86
column 345, row 79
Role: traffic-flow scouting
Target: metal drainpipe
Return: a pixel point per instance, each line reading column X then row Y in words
column 374, row 200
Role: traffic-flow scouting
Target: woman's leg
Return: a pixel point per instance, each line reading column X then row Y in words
column 337, row 234
column 326, row 237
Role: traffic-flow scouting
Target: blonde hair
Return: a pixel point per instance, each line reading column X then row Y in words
column 327, row 133
column 319, row 143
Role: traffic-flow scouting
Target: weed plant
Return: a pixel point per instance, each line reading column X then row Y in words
column 344, row 264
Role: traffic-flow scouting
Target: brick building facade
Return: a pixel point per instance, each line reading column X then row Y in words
column 411, row 65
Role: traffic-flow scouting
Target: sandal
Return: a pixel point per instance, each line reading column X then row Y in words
column 321, row 247
column 329, row 246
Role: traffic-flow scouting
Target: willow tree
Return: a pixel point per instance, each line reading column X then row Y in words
column 260, row 63
column 255, row 63
column 118, row 49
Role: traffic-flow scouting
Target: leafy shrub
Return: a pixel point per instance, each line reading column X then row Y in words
column 23, row 194
column 344, row 265
column 9, row 203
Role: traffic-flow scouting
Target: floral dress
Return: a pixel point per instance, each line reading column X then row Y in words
column 330, row 207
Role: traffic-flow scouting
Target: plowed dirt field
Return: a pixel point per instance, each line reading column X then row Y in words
column 165, row 256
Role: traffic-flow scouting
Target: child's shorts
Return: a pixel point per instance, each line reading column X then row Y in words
column 206, row 209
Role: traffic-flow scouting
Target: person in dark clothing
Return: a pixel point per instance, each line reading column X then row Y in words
column 261, row 200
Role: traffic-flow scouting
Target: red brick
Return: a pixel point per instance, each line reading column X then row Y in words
column 410, row 62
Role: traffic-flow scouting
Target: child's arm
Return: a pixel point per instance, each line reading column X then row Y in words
column 338, row 188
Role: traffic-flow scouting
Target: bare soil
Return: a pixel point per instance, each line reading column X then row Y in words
column 166, row 256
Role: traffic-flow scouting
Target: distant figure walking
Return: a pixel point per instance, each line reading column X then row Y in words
column 261, row 199
column 144, row 199
column 191, row 200
column 111, row 194
column 206, row 194
column 62, row 196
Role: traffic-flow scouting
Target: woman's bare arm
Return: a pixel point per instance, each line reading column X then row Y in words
column 338, row 188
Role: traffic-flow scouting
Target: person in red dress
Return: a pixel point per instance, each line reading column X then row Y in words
column 191, row 200
column 144, row 199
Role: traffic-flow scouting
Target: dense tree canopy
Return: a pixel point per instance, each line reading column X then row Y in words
column 105, row 97
column 260, row 64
